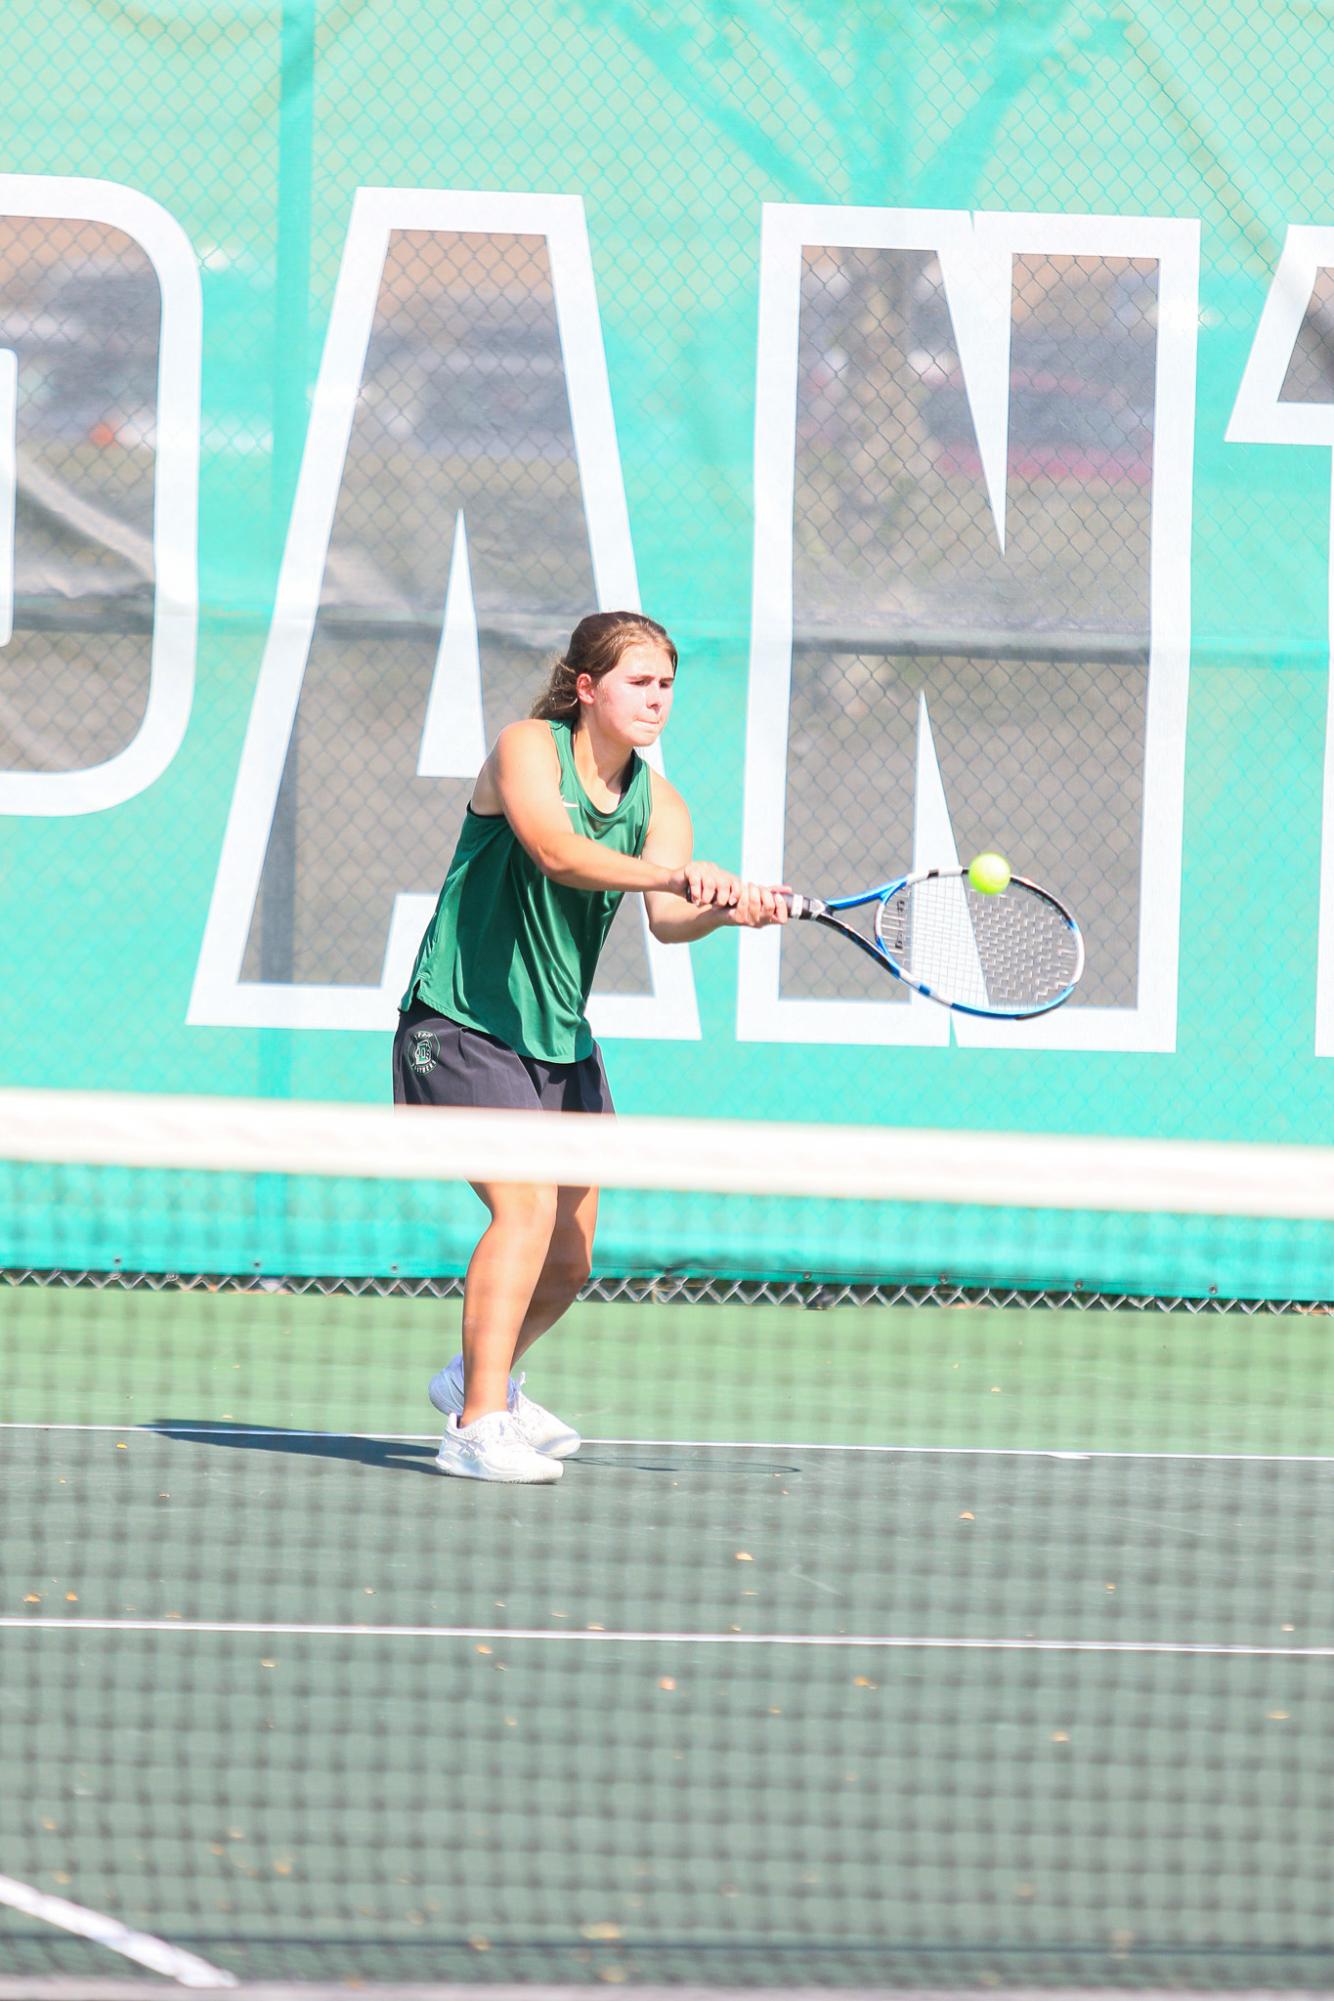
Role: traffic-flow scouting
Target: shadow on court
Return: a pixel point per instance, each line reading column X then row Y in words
column 743, row 1463
column 395, row 1455
column 399, row 1455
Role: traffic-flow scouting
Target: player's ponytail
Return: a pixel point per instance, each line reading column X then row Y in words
column 596, row 644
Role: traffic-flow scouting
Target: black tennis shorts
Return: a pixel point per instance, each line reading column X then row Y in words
column 440, row 1062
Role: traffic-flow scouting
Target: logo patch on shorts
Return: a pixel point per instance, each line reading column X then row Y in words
column 423, row 1048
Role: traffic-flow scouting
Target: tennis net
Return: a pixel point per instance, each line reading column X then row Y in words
column 925, row 1608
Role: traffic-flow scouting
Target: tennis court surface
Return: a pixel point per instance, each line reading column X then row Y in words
column 877, row 1638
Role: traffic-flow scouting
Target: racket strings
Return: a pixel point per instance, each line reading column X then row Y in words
column 1010, row 951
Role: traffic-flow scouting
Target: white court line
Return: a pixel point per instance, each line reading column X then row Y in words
column 845, row 1641
column 117, row 1937
column 168, row 1430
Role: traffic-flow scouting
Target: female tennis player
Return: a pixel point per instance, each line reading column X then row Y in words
column 565, row 817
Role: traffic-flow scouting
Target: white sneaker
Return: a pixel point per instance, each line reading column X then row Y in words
column 545, row 1432
column 492, row 1448
column 541, row 1428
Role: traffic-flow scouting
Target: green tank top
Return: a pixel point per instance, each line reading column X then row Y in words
column 509, row 951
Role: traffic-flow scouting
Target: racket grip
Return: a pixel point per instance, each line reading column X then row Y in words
column 804, row 906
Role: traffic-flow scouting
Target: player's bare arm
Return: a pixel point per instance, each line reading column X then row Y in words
column 677, row 919
column 521, row 779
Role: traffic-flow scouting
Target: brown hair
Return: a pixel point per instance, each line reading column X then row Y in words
column 596, row 644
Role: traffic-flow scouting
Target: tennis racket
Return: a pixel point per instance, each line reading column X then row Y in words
column 1006, row 957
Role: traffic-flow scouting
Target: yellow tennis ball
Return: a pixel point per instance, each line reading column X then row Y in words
column 989, row 873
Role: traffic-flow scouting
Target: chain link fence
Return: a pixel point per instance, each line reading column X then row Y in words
column 991, row 497
column 674, row 1289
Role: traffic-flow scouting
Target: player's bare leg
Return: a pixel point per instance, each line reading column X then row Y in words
column 566, row 1266
column 498, row 1291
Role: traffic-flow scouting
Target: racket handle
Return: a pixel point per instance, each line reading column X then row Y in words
column 805, row 906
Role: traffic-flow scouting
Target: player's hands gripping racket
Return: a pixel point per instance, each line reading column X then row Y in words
column 1005, row 954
